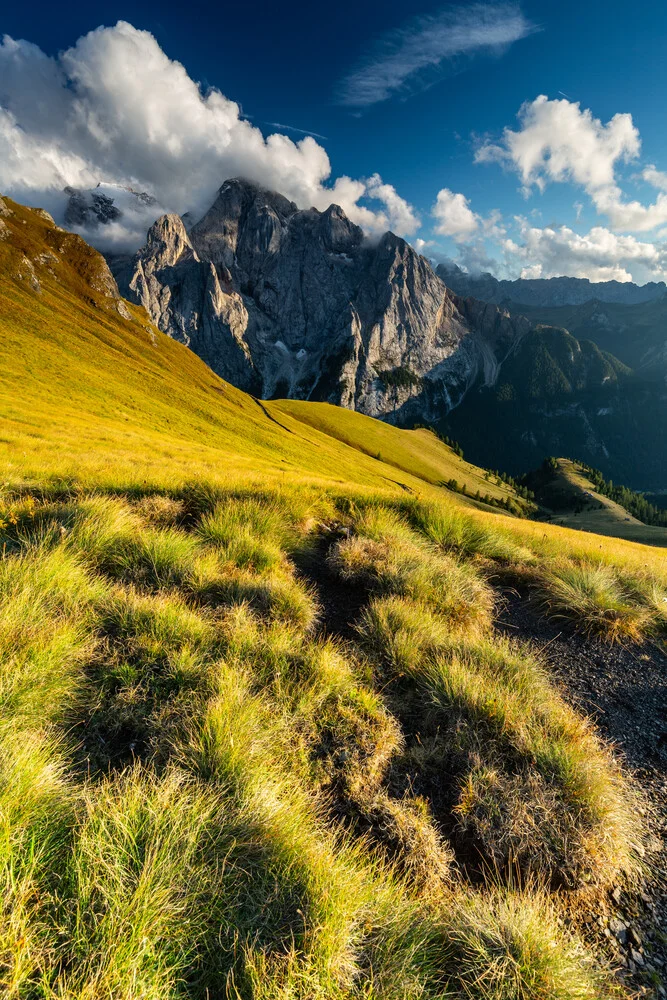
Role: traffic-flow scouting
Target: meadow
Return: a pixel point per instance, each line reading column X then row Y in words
column 205, row 789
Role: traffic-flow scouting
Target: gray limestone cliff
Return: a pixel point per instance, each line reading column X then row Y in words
column 289, row 302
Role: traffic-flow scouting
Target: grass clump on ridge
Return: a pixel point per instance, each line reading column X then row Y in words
column 595, row 598
column 520, row 779
column 244, row 829
column 451, row 528
column 384, row 554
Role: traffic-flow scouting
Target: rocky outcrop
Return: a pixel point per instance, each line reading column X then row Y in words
column 289, row 302
column 91, row 208
column 192, row 300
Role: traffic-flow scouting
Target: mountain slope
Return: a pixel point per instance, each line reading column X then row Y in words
column 558, row 396
column 570, row 498
column 89, row 387
column 296, row 304
column 636, row 334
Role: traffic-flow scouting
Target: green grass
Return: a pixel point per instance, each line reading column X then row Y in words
column 581, row 506
column 593, row 596
column 204, row 794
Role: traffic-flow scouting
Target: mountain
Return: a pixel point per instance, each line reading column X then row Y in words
column 556, row 395
column 636, row 334
column 296, row 303
column 91, row 390
column 287, row 302
column 546, row 291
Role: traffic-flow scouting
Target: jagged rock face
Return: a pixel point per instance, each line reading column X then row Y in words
column 289, row 302
column 191, row 300
column 89, row 207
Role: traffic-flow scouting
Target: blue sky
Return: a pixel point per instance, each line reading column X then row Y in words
column 552, row 200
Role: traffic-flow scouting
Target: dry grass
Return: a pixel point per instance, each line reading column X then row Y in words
column 243, row 828
column 385, row 555
column 533, row 788
column 594, row 598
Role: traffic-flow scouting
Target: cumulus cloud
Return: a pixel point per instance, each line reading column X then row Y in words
column 115, row 109
column 455, row 218
column 599, row 255
column 559, row 141
column 402, row 215
column 453, row 215
column 412, row 57
column 421, row 245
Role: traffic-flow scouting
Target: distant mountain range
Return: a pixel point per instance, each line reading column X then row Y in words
column 546, row 291
column 297, row 303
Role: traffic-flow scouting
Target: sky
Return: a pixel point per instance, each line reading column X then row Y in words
column 527, row 139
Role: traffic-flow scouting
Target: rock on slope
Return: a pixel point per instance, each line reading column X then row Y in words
column 289, row 302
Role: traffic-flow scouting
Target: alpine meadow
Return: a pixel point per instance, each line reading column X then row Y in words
column 333, row 569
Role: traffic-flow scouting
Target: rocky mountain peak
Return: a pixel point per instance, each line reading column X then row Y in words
column 244, row 219
column 167, row 242
column 296, row 302
column 338, row 234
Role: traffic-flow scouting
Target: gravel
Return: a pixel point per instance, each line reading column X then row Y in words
column 624, row 689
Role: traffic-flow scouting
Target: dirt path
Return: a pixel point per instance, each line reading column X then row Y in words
column 625, row 691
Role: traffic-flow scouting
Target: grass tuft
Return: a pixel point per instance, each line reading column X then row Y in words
column 593, row 597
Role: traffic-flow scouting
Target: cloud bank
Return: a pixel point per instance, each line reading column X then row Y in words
column 411, row 58
column 557, row 141
column 115, row 109
column 599, row 255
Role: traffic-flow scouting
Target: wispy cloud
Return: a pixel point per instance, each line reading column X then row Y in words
column 411, row 58
column 292, row 128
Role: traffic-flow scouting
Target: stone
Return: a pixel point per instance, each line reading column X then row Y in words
column 634, row 938
column 618, row 929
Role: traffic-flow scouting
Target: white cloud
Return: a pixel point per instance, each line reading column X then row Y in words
column 657, row 178
column 454, row 217
column 114, row 108
column 401, row 216
column 599, row 255
column 557, row 141
column 456, row 220
column 409, row 58
column 421, row 245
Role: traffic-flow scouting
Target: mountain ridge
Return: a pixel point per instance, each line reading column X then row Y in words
column 555, row 291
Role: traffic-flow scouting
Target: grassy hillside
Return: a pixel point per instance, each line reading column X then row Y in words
column 574, row 502
column 207, row 787
column 86, row 393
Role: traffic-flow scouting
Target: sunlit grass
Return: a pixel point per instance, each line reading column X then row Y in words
column 202, row 793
